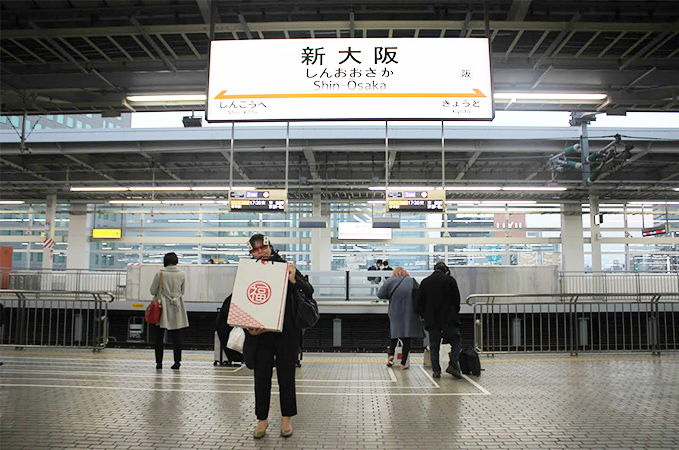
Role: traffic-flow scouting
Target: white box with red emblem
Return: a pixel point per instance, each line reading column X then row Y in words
column 259, row 294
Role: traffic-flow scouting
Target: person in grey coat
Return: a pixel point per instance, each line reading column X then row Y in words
column 168, row 288
column 404, row 323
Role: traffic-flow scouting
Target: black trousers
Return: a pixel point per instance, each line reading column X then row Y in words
column 281, row 349
column 175, row 336
column 406, row 348
column 452, row 334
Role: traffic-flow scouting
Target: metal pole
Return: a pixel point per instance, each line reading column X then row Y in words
column 386, row 157
column 233, row 133
column 584, row 149
column 287, row 152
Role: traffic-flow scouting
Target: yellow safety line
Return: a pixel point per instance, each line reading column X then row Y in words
column 477, row 93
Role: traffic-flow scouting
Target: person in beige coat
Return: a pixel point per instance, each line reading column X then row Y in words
column 168, row 288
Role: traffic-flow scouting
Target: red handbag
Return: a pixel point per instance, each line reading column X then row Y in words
column 153, row 311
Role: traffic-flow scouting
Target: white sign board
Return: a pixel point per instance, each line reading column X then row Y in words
column 259, row 295
column 352, row 79
column 362, row 231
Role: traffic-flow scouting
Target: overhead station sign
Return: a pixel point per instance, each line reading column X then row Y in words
column 350, row 79
column 258, row 200
column 416, row 201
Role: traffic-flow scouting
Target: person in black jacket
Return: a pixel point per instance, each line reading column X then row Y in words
column 263, row 349
column 439, row 305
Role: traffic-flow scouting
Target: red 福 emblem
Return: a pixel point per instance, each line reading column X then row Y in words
column 259, row 292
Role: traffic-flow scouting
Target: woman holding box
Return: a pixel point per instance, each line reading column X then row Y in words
column 262, row 349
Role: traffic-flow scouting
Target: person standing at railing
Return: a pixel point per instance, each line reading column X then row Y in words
column 439, row 305
column 375, row 280
column 403, row 322
column 168, row 287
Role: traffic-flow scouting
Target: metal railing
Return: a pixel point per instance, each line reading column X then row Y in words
column 577, row 322
column 349, row 285
column 113, row 281
column 55, row 318
column 620, row 282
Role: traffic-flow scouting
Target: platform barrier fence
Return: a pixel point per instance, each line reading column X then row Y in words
column 33, row 318
column 574, row 323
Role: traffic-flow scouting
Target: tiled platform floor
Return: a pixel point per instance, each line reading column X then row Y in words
column 68, row 399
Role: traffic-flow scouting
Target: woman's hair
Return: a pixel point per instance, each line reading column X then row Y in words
column 170, row 259
column 401, row 272
column 257, row 238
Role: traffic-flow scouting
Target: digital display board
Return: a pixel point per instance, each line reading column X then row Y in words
column 258, row 200
column 350, row 79
column 416, row 201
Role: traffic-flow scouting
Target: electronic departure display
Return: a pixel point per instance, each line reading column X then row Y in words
column 416, row 201
column 259, row 200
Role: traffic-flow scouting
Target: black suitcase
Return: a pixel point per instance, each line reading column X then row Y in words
column 470, row 363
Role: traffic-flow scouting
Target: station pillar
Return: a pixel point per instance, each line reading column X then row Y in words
column 321, row 254
column 78, row 238
column 572, row 242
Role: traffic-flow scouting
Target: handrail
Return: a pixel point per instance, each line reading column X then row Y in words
column 655, row 297
column 20, row 294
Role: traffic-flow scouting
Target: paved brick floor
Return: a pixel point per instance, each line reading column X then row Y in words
column 66, row 399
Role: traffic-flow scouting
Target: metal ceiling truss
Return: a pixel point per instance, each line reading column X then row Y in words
column 87, row 55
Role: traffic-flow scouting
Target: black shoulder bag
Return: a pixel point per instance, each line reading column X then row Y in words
column 306, row 309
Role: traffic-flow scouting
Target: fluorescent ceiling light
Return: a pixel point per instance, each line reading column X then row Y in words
column 652, row 203
column 377, row 202
column 210, row 188
column 526, row 188
column 162, row 189
column 134, row 202
column 473, row 188
column 515, row 96
column 508, row 202
column 195, row 202
column 243, row 188
column 99, row 189
column 167, row 98
column 11, row 202
column 676, row 189
column 401, row 188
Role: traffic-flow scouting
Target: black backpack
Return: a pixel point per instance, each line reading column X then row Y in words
column 470, row 364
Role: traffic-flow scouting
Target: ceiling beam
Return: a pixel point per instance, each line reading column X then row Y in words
column 562, row 35
column 518, row 10
column 236, row 167
column 468, row 166
column 87, row 166
column 153, row 44
column 160, row 166
column 24, row 170
column 244, row 24
column 313, row 166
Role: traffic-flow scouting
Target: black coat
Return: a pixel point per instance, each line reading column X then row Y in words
column 439, row 301
column 291, row 332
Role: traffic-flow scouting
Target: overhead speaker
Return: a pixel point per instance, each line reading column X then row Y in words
column 313, row 222
column 192, row 121
column 386, row 222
